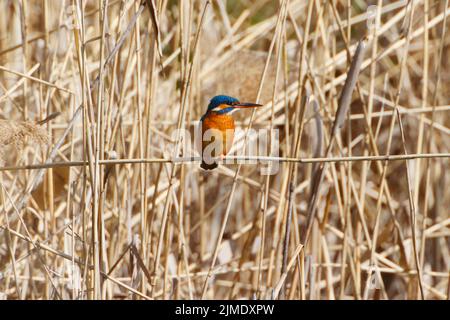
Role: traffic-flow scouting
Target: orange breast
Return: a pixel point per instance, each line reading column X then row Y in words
column 220, row 128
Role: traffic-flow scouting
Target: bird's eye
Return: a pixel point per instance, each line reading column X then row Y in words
column 235, row 103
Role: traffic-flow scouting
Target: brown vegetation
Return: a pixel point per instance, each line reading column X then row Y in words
column 92, row 205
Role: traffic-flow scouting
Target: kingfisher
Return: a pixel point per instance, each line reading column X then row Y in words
column 218, row 126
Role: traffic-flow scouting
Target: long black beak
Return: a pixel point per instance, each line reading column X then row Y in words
column 243, row 105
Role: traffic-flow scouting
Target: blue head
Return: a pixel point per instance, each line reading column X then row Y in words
column 223, row 104
column 219, row 103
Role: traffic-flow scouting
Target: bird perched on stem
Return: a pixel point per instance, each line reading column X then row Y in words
column 218, row 128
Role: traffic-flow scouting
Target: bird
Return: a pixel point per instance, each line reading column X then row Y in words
column 217, row 125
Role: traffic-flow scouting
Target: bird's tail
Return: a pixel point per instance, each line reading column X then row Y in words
column 206, row 166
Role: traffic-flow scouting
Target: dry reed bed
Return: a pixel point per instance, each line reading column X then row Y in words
column 92, row 207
